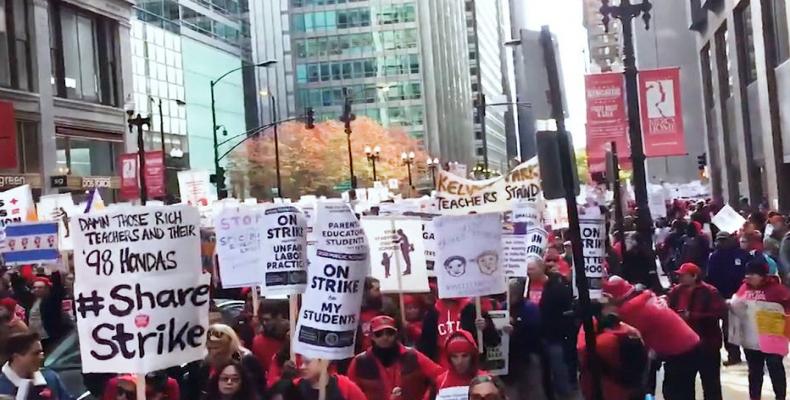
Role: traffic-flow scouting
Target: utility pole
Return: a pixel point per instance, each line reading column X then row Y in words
column 346, row 118
column 138, row 122
column 481, row 115
column 614, row 179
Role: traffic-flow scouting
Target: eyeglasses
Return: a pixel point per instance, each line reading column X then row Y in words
column 230, row 379
column 126, row 394
column 383, row 332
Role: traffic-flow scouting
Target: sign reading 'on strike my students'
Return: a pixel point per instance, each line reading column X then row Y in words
column 141, row 300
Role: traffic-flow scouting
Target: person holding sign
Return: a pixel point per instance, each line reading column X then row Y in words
column 448, row 316
column 759, row 287
column 388, row 370
column 22, row 375
column 338, row 387
column 462, row 356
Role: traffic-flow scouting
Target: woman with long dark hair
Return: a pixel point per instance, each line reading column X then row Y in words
column 231, row 383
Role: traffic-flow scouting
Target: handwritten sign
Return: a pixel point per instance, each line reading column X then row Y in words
column 141, row 303
column 239, row 245
column 758, row 325
column 60, row 208
column 285, row 251
column 469, row 255
column 397, row 248
column 16, row 205
column 336, row 273
column 593, row 233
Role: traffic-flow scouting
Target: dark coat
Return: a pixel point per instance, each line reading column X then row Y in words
column 55, row 322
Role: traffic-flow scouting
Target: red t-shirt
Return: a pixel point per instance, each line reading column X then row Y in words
column 265, row 347
column 535, row 291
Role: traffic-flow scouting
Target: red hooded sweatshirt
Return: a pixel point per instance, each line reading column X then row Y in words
column 662, row 329
column 451, row 378
column 411, row 373
column 771, row 291
column 449, row 321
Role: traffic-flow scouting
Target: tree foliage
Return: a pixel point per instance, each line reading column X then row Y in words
column 314, row 161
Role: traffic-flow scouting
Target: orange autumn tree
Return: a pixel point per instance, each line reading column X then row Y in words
column 314, row 161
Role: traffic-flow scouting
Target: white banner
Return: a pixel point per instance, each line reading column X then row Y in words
column 141, row 300
column 239, row 248
column 469, row 255
column 397, row 254
column 16, row 205
column 60, row 208
column 459, row 196
column 593, row 236
column 429, row 242
column 336, row 274
column 285, row 251
column 496, row 360
column 728, row 220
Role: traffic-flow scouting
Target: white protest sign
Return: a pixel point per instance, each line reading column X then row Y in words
column 758, row 325
column 527, row 213
column 61, row 208
column 195, row 187
column 429, row 243
column 141, row 303
column 469, row 255
column 657, row 203
column 496, row 360
column 239, row 244
column 728, row 220
column 557, row 213
column 336, row 273
column 453, row 393
column 458, row 196
column 285, row 251
column 593, row 233
column 16, row 205
column 396, row 247
column 514, row 254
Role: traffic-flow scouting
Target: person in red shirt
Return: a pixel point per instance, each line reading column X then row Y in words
column 390, row 371
column 703, row 308
column 274, row 330
column 462, row 356
column 555, row 261
column 758, row 286
column 413, row 313
column 338, row 387
column 448, row 316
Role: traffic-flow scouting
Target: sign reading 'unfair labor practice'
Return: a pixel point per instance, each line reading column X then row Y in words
column 285, row 250
column 336, row 274
column 141, row 300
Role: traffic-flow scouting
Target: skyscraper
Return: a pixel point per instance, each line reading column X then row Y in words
column 605, row 47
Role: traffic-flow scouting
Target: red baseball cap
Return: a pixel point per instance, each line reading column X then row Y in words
column 689, row 269
column 617, row 288
column 381, row 323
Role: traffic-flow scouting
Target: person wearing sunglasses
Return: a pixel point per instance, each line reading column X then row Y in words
column 487, row 387
column 388, row 370
column 231, row 383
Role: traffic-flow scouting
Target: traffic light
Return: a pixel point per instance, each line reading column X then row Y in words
column 309, row 118
column 219, row 180
column 702, row 161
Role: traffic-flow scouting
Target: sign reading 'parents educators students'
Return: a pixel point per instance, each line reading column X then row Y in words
column 140, row 299
column 459, row 196
column 336, row 274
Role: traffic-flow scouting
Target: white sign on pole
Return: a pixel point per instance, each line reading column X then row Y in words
column 527, row 213
column 429, row 242
column 336, row 273
column 141, row 303
column 496, row 360
column 239, row 241
column 593, row 233
column 396, row 247
column 195, row 187
column 518, row 249
column 60, row 208
column 285, row 251
column 728, row 220
column 469, row 255
column 657, row 203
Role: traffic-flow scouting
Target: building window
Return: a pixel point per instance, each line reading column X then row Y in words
column 86, row 51
column 723, row 62
column 745, row 40
column 781, row 38
column 15, row 71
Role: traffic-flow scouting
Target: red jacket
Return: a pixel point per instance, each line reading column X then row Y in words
column 607, row 345
column 338, row 388
column 705, row 307
column 412, row 373
column 264, row 348
column 451, row 378
column 771, row 291
column 662, row 329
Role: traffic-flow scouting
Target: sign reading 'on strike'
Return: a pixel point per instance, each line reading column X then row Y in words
column 593, row 247
column 141, row 299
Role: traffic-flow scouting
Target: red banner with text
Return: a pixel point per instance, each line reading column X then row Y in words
column 606, row 119
column 661, row 111
column 155, row 173
column 8, row 147
column 128, row 167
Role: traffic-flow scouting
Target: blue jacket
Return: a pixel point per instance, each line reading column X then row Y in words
column 54, row 384
column 726, row 269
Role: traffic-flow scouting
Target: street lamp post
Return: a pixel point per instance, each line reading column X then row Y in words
column 626, row 12
column 346, row 118
column 408, row 160
column 162, row 133
column 433, row 165
column 373, row 155
column 273, row 117
column 219, row 177
column 138, row 122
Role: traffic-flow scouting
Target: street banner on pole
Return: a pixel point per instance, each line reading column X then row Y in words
column 141, row 301
column 593, row 232
column 606, row 119
column 129, row 171
column 661, row 112
column 31, row 243
column 285, row 251
column 396, row 247
column 240, row 246
column 469, row 255
column 336, row 272
column 459, row 196
column 8, row 147
column 155, row 173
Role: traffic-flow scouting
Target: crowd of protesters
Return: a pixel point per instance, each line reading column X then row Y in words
column 640, row 327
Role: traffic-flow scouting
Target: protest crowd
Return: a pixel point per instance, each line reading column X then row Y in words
column 400, row 301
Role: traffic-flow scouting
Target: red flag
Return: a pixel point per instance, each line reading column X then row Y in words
column 606, row 119
column 129, row 171
column 155, row 173
column 661, row 111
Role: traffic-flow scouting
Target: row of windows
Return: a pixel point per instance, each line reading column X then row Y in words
column 307, row 3
column 360, row 94
column 15, row 45
column 356, row 44
column 397, row 115
column 352, row 18
column 365, row 68
column 396, row 14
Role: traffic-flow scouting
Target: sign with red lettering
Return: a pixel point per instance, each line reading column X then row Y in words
column 8, row 148
column 662, row 115
column 129, row 170
column 606, row 119
column 155, row 173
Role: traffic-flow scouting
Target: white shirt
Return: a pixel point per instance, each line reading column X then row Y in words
column 23, row 384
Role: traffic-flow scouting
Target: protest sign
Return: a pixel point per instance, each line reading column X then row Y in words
column 429, row 243
column 496, row 360
column 758, row 325
column 208, row 245
column 239, row 245
column 396, row 248
column 141, row 304
column 517, row 250
column 525, row 216
column 195, row 187
column 593, row 233
column 16, row 205
column 469, row 255
column 60, row 208
column 453, row 393
column 657, row 202
column 31, row 243
column 728, row 220
column 336, row 274
column 557, row 214
column 285, row 251
column 459, row 196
